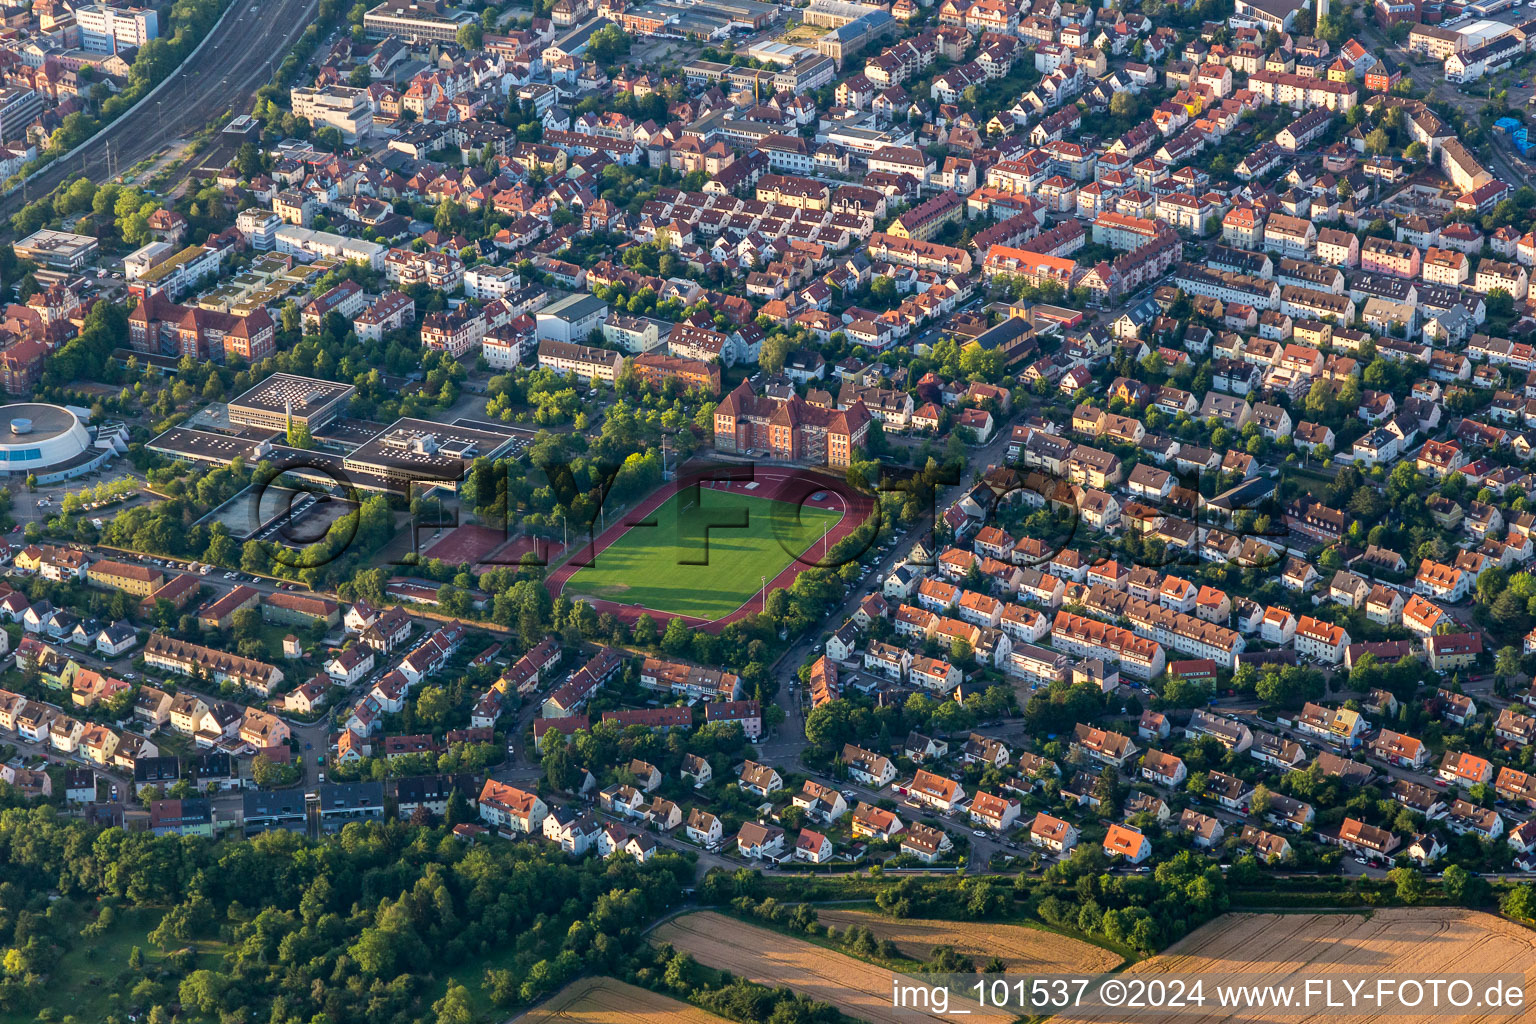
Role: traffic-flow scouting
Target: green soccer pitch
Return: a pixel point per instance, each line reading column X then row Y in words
column 697, row 561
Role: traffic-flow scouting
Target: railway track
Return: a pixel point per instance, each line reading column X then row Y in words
column 237, row 58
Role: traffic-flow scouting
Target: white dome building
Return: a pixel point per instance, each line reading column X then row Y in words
column 50, row 441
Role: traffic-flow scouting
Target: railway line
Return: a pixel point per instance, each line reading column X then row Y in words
column 238, row 57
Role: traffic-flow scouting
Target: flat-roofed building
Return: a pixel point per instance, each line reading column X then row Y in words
column 107, row 29
column 61, row 249
column 416, row 20
column 412, row 450
column 573, row 318
column 307, row 245
column 346, row 108
column 284, row 397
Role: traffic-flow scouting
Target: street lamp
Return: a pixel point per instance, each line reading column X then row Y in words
column 764, row 597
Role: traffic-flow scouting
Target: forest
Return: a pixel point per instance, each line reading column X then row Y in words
column 366, row 927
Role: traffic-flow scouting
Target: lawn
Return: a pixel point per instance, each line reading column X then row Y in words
column 90, row 979
column 706, row 557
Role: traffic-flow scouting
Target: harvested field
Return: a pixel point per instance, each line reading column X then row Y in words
column 856, row 988
column 1022, row 948
column 607, row 1001
column 1401, row 943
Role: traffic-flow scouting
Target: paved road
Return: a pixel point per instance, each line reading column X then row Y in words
column 237, row 58
column 978, row 458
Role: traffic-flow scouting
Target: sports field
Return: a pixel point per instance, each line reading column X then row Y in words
column 704, row 552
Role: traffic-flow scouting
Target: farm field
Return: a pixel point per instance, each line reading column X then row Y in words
column 1021, row 947
column 1398, row 942
column 703, row 552
column 856, row 988
column 608, row 1001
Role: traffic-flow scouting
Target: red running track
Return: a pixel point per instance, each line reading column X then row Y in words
column 779, row 483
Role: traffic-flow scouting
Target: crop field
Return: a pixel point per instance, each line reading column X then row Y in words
column 608, row 1001
column 1022, row 948
column 858, row 989
column 1404, row 943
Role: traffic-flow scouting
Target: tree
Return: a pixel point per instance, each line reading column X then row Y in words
column 1122, row 104
column 774, row 351
column 245, row 624
column 1377, row 141
column 678, row 638
column 960, row 651
column 1508, row 610
column 1500, row 305
column 327, row 137
column 1410, row 884
column 1520, row 902
column 1456, row 881
column 269, row 774
column 455, row 1006
column 470, row 35
column 556, row 761
column 204, row 990
column 433, row 706
column 221, row 546
column 254, row 557
column 299, row 435
column 135, row 227
column 608, row 44
column 1290, row 686
column 1507, row 661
